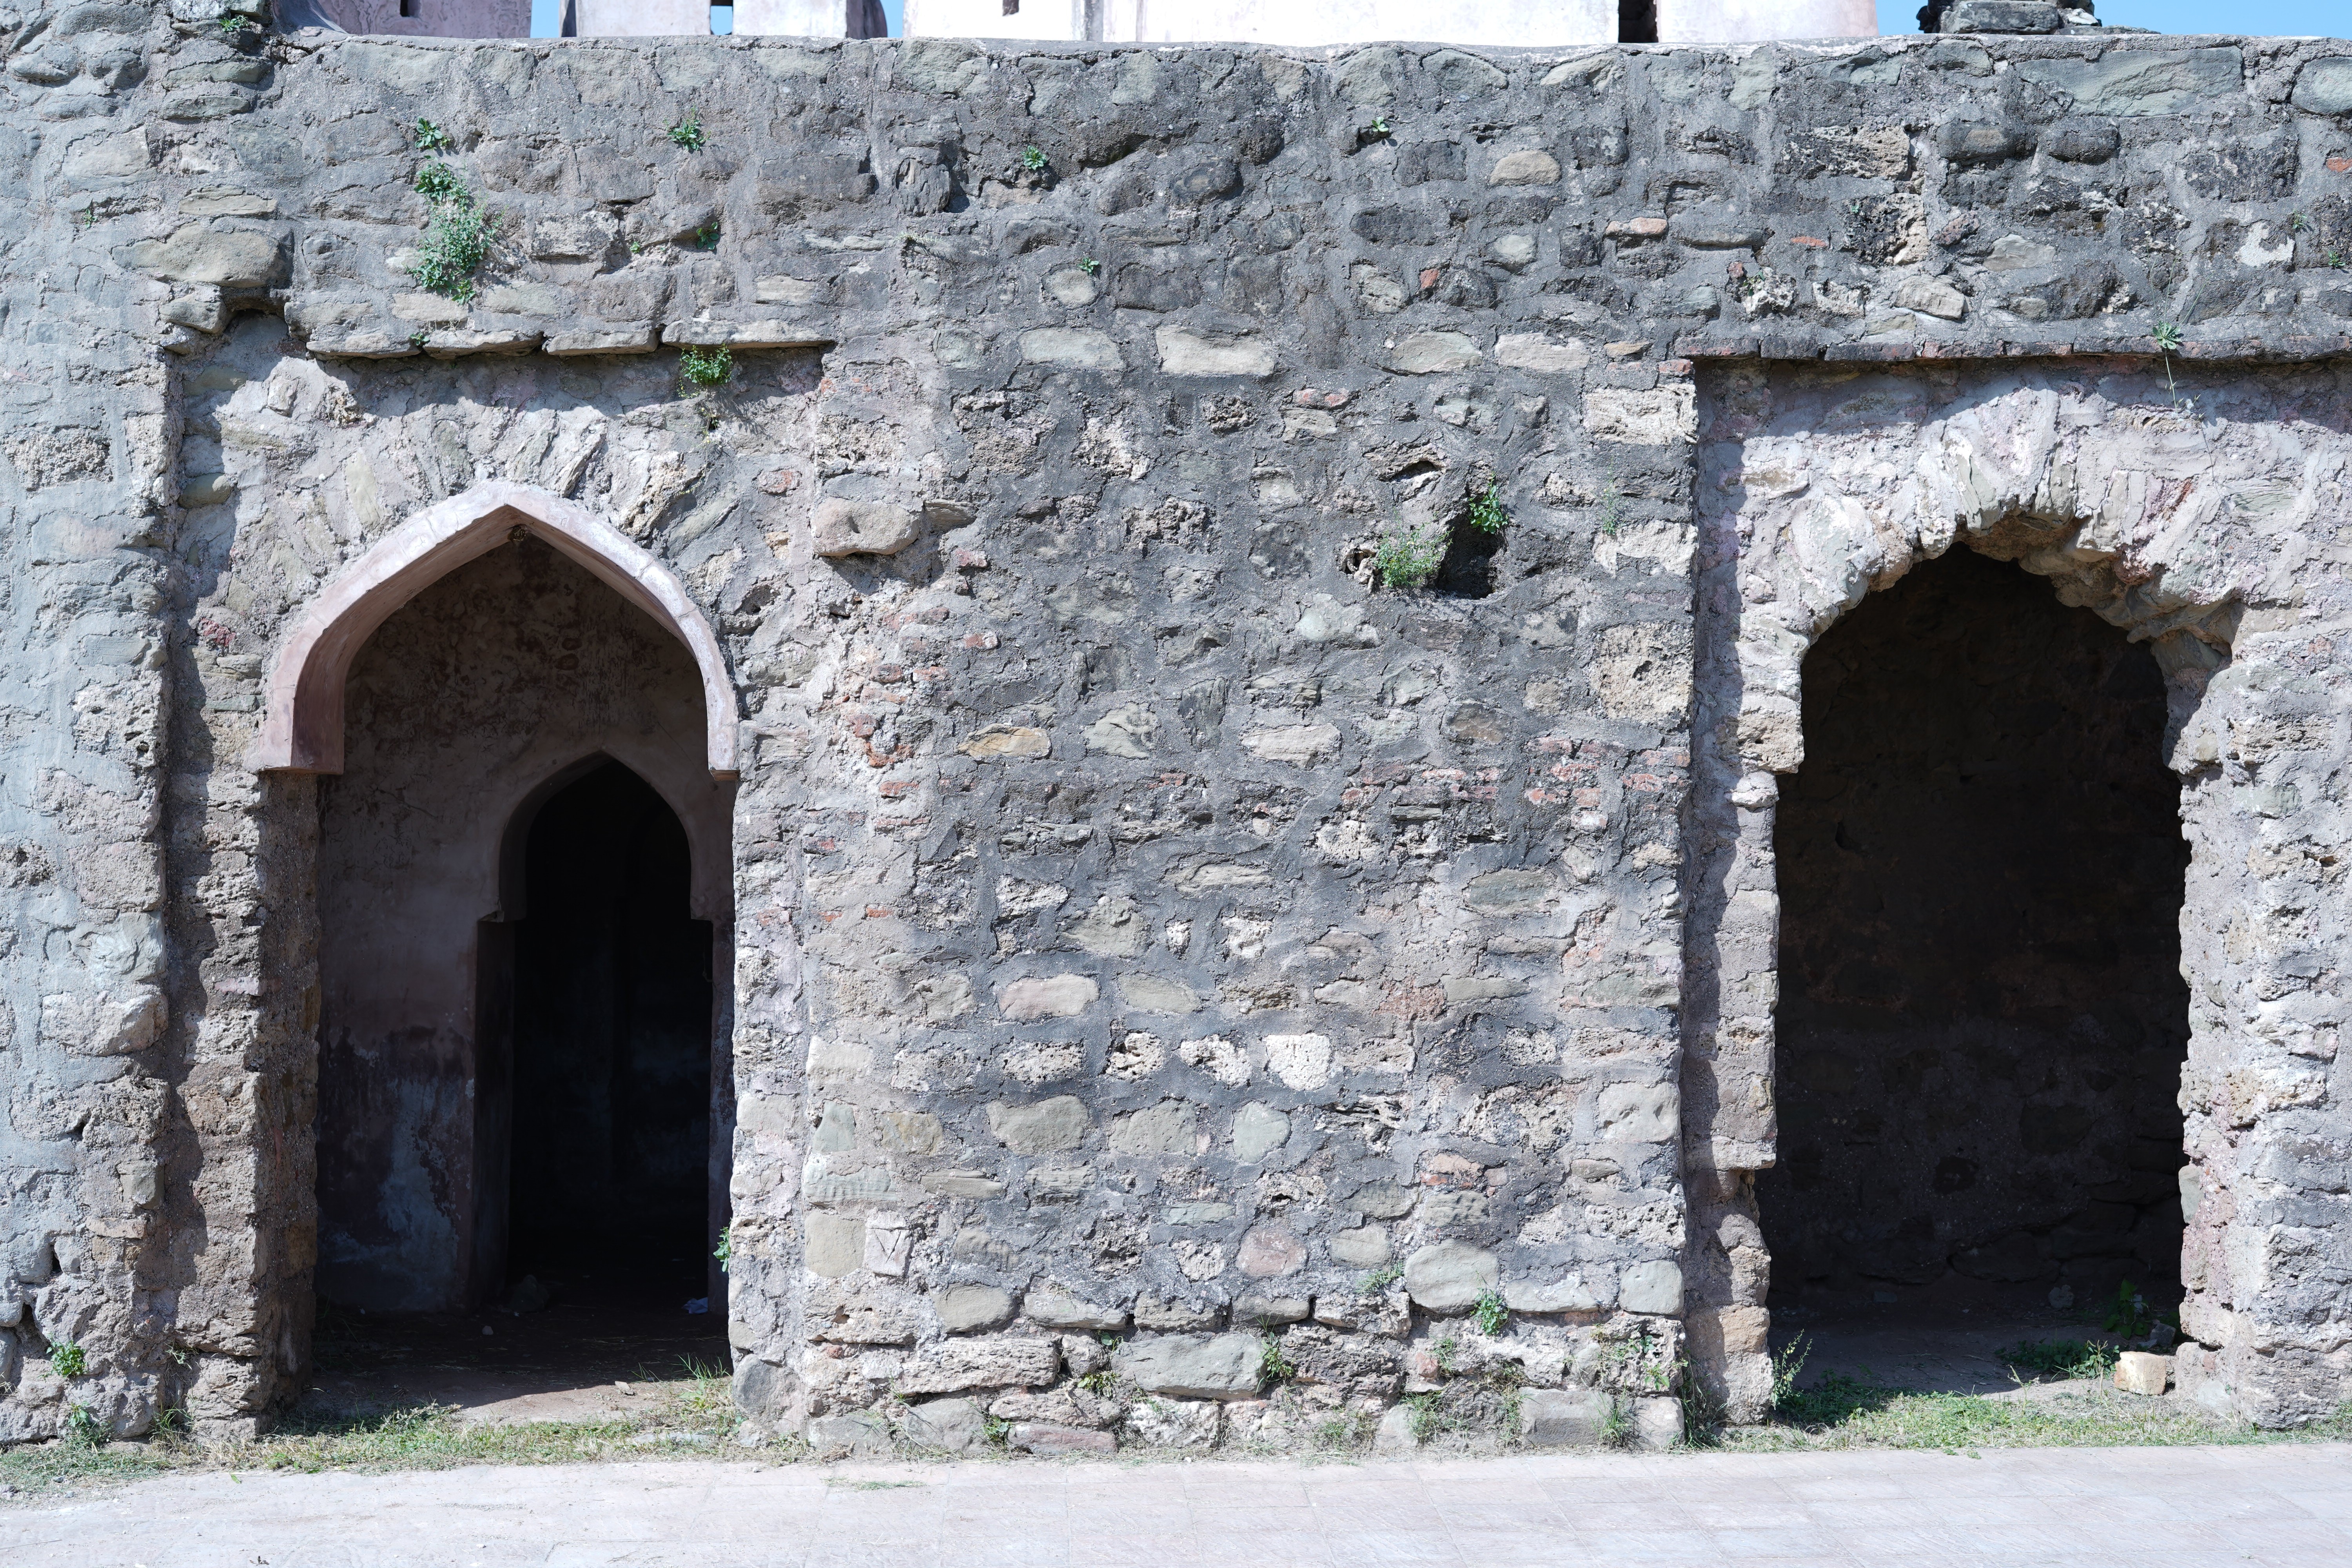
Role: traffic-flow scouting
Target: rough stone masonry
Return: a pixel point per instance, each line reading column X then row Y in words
column 1160, row 945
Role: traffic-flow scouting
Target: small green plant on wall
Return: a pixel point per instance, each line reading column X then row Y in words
column 688, row 132
column 68, row 1359
column 457, row 238
column 1408, row 560
column 1487, row 513
column 431, row 138
column 705, row 367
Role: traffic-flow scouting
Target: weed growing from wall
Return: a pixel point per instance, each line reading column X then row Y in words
column 2169, row 342
column 456, row 241
column 705, row 368
column 1492, row 1313
column 1278, row 1367
column 431, row 138
column 1487, row 513
column 688, row 132
column 68, row 1359
column 1408, row 560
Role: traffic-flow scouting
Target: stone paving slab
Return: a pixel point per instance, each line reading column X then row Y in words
column 2287, row 1507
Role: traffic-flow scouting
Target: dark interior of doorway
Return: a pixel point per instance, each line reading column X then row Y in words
column 1982, row 1022
column 608, row 1169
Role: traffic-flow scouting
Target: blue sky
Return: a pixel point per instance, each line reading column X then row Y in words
column 2267, row 17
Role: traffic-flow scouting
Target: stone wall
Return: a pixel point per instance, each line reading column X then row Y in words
column 1151, row 924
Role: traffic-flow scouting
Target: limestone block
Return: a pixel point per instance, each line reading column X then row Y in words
column 1659, row 416
column 1258, row 1310
column 1049, row 1127
column 1569, row 1295
column 1058, row 1308
column 1657, row 1423
column 844, row 527
column 1532, row 166
column 1932, row 297
column 1269, row 1251
column 1450, row 1275
column 1300, row 745
column 1563, row 1418
column 1194, row 1366
column 1654, row 1288
column 952, row 1425
column 1163, row 1129
column 1006, row 1361
column 1533, row 351
column 1399, row 1433
column 1049, row 1442
column 836, row 1245
column 2141, row 1371
column 1301, row 1061
column 1258, row 1131
column 2325, row 86
column 1157, row 993
column 1048, row 996
column 1001, row 740
column 1183, row 1425
column 1366, row 1247
column 963, row 1309
column 1184, row 353
column 1434, row 353
column 859, row 1432
column 240, row 257
column 1071, row 348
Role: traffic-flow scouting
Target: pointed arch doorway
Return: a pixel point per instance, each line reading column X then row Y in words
column 525, row 735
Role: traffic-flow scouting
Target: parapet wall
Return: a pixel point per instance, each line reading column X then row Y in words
column 1148, row 924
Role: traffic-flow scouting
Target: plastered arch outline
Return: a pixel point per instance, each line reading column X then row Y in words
column 302, row 721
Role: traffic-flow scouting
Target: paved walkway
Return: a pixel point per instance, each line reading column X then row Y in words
column 2133, row 1508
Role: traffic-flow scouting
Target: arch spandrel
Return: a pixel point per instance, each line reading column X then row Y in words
column 302, row 724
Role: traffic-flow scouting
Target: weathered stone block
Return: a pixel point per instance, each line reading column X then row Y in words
column 952, row 1425
column 2142, row 1373
column 962, row 1309
column 1058, row 1308
column 1563, row 1418
column 843, row 527
column 1049, row 1127
column 1450, row 1275
column 1183, row 1426
column 1009, row 1361
column 1052, row 1442
column 236, row 258
column 1219, row 1366
column 1655, row 1287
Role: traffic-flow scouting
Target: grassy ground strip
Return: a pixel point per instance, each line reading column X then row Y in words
column 689, row 1414
column 693, row 1415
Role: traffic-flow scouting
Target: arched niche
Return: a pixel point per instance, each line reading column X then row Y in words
column 302, row 724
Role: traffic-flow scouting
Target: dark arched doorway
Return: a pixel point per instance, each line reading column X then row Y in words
column 1981, row 1021
column 525, row 926
column 608, row 1048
